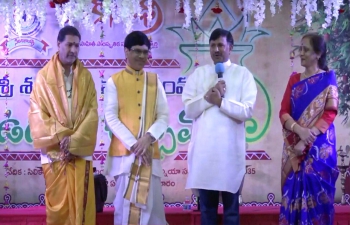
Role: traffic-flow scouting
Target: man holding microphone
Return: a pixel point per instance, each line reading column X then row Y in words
column 219, row 98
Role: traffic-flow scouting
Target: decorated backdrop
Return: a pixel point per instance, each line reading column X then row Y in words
column 267, row 50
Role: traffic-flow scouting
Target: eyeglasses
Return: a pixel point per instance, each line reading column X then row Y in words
column 140, row 52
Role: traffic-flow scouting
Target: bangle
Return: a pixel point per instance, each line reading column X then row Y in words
column 292, row 126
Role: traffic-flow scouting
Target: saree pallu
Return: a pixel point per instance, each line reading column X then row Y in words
column 70, row 193
column 308, row 181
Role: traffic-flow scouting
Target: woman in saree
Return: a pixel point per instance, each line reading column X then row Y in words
column 309, row 158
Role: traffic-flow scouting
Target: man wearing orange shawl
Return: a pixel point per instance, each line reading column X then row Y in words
column 63, row 121
column 136, row 111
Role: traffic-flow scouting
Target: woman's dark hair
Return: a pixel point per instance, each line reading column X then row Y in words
column 320, row 47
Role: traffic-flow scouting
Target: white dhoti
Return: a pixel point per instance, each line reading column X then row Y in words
column 152, row 214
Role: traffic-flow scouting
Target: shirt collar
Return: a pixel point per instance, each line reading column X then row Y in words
column 131, row 71
column 226, row 64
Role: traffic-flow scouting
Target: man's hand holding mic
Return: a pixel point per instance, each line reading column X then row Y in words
column 221, row 86
column 213, row 96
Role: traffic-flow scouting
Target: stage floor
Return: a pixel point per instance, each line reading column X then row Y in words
column 252, row 215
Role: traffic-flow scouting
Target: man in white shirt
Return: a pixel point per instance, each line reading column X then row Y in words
column 136, row 112
column 219, row 109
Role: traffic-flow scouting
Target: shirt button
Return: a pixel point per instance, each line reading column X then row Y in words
column 139, row 117
column 139, row 104
column 138, row 92
column 137, row 79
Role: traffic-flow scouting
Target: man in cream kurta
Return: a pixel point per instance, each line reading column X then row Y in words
column 216, row 153
column 129, row 105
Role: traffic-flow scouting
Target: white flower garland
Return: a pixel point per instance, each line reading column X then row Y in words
column 239, row 4
column 272, row 7
column 125, row 13
column 137, row 9
column 198, row 8
column 149, row 13
column 328, row 11
column 115, row 12
column 79, row 11
column 293, row 13
column 177, row 5
column 40, row 6
column 336, row 7
column 75, row 11
column 259, row 12
column 106, row 10
column 187, row 10
column 19, row 10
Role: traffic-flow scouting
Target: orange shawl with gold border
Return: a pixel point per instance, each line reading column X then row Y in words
column 50, row 119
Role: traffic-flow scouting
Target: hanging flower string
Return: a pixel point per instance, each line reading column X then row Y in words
column 69, row 11
column 103, row 20
column 197, row 35
column 292, row 53
column 7, row 114
column 150, row 50
column 149, row 13
column 179, row 6
column 198, row 8
column 272, row 7
column 187, row 9
column 102, row 118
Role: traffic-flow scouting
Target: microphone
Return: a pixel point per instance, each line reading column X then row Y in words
column 220, row 69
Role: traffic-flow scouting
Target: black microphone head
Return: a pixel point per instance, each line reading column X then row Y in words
column 219, row 69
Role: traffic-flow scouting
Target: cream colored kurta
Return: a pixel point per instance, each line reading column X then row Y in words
column 216, row 153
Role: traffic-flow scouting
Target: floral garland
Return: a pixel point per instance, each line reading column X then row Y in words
column 80, row 11
column 7, row 115
column 257, row 8
column 106, row 10
column 272, row 7
column 149, row 13
column 259, row 15
column 178, row 6
column 115, row 12
column 328, row 10
column 6, row 10
column 187, row 10
column 125, row 11
column 75, row 11
column 198, row 8
column 18, row 10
